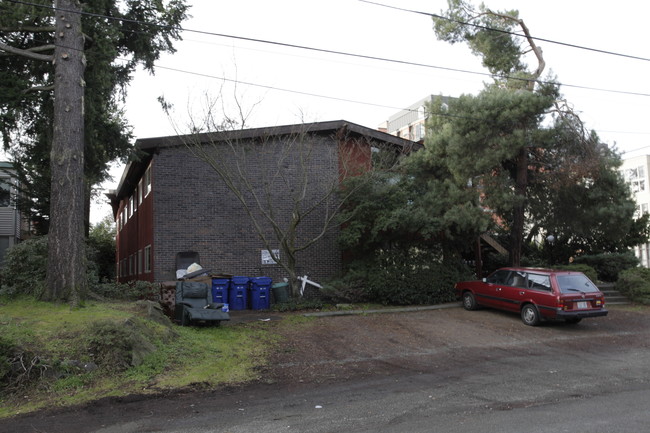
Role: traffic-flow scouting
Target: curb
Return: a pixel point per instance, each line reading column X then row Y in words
column 384, row 310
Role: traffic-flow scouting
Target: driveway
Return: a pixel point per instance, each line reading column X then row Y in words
column 403, row 372
column 342, row 348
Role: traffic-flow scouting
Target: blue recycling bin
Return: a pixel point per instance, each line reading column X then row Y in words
column 260, row 293
column 238, row 293
column 220, row 290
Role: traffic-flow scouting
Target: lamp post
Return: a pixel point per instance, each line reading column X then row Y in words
column 551, row 240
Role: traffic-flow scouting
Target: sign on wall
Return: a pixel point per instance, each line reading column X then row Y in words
column 267, row 259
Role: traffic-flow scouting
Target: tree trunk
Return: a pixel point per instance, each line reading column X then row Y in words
column 88, row 193
column 518, row 218
column 66, row 267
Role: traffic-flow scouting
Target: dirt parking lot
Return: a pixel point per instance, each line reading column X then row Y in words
column 342, row 348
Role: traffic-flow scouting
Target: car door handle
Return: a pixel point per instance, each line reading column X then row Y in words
column 498, row 289
column 522, row 292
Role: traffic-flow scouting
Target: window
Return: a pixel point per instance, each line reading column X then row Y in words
column 147, row 181
column 636, row 178
column 499, row 277
column 517, row 279
column 5, row 193
column 575, row 283
column 419, row 135
column 422, row 112
column 139, row 262
column 130, row 206
column 147, row 259
column 539, row 282
column 140, row 187
column 640, row 210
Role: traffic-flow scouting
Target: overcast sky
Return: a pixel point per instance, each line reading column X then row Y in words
column 284, row 85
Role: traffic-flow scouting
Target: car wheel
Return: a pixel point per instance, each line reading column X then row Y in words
column 530, row 315
column 469, row 302
column 574, row 320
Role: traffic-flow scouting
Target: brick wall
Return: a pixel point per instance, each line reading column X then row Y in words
column 194, row 210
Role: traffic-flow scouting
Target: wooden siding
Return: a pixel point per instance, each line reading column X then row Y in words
column 133, row 237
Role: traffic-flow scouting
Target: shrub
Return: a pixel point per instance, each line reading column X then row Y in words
column 398, row 277
column 352, row 287
column 25, row 268
column 585, row 269
column 493, row 261
column 6, row 355
column 298, row 305
column 608, row 265
column 110, row 345
column 101, row 249
column 18, row 367
column 132, row 291
column 635, row 284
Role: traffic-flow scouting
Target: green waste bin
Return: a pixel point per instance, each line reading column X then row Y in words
column 280, row 292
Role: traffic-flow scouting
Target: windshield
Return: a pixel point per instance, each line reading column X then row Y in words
column 575, row 284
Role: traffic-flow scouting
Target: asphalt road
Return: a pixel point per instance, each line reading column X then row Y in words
column 489, row 374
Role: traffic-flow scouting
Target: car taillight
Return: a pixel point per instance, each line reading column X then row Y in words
column 600, row 302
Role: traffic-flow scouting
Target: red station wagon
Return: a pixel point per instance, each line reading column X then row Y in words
column 536, row 294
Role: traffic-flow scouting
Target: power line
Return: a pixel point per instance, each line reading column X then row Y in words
column 343, row 53
column 334, row 98
column 314, row 95
column 327, row 51
column 580, row 47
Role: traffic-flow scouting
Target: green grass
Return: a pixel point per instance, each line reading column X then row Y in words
column 184, row 356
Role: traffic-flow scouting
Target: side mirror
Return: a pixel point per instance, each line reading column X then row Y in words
column 484, row 280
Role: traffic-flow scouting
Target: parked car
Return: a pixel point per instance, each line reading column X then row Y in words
column 536, row 294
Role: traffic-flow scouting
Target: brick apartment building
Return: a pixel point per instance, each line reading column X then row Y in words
column 172, row 199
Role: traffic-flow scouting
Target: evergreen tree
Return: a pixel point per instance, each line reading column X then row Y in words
column 94, row 46
column 530, row 175
column 118, row 36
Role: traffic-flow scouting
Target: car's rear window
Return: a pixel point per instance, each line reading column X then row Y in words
column 575, row 284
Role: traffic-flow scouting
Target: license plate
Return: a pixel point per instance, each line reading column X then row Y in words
column 582, row 305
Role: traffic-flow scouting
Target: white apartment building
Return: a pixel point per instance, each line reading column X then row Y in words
column 409, row 123
column 635, row 171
